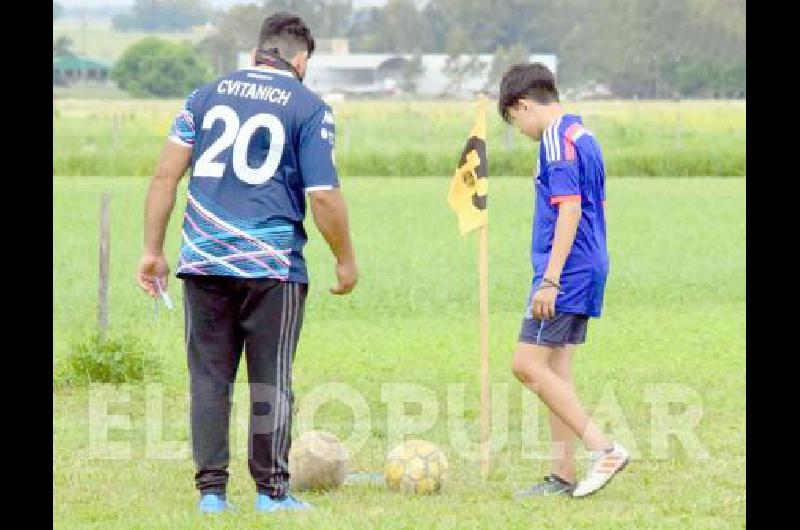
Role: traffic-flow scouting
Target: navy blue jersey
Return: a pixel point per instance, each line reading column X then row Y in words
column 260, row 140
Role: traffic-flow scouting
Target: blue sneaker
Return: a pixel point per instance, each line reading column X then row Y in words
column 213, row 503
column 265, row 503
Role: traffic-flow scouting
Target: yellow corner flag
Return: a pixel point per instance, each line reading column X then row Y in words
column 467, row 196
column 469, row 187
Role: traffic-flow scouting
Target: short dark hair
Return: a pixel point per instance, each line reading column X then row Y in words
column 286, row 34
column 526, row 80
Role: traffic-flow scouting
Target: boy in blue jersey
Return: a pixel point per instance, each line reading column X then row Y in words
column 258, row 142
column 570, row 265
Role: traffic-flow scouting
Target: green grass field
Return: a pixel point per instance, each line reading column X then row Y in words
column 402, row 138
column 674, row 315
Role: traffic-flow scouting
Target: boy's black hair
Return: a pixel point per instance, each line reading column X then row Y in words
column 286, row 34
column 526, row 80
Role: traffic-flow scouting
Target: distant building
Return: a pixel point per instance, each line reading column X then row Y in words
column 377, row 73
column 72, row 69
column 334, row 46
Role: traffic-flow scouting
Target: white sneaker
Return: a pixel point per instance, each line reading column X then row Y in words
column 604, row 466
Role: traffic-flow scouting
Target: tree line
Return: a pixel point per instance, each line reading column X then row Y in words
column 638, row 48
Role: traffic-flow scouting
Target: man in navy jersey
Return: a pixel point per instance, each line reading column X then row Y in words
column 570, row 266
column 257, row 141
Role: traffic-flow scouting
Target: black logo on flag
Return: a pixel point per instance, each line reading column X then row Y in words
column 480, row 171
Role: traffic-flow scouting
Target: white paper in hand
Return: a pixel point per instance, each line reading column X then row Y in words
column 164, row 294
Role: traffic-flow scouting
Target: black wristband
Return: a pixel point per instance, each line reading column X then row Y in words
column 550, row 282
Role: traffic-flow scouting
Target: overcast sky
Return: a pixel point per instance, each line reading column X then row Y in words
column 215, row 3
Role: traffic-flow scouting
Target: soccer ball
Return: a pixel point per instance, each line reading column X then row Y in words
column 416, row 466
column 317, row 461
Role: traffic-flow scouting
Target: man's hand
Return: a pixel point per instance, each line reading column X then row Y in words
column 543, row 305
column 152, row 266
column 347, row 277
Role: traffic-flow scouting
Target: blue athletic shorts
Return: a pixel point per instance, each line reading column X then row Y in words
column 565, row 328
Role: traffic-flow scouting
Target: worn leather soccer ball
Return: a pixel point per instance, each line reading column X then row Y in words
column 416, row 466
column 317, row 461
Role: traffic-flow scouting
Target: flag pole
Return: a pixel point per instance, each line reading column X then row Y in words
column 468, row 197
column 483, row 273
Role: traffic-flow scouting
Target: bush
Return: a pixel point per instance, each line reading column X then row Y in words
column 156, row 67
column 116, row 360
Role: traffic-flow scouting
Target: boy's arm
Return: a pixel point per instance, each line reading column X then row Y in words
column 544, row 300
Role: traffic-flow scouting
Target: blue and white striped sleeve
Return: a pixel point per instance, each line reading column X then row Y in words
column 562, row 167
column 183, row 129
